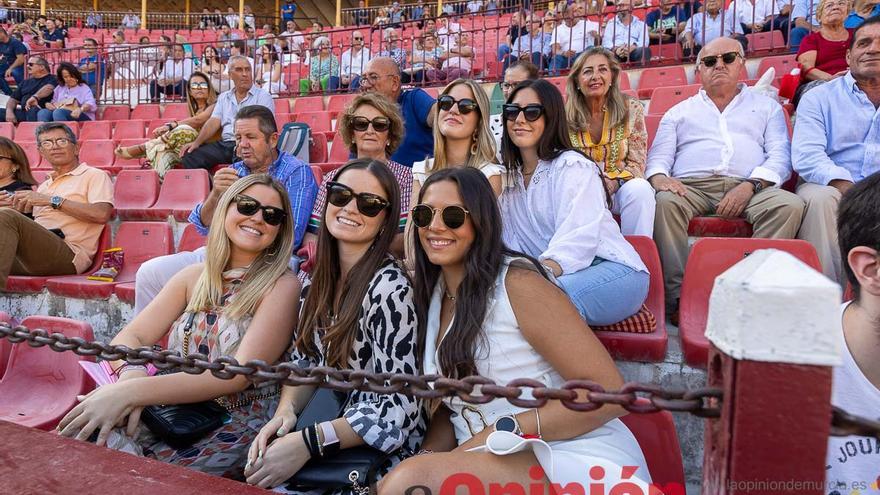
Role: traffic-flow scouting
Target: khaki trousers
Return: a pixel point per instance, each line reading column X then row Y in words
column 773, row 213
column 819, row 227
column 27, row 248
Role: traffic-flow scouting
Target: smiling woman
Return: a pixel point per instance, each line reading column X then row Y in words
column 236, row 304
column 358, row 314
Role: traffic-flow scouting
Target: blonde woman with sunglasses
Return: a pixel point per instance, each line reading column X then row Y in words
column 163, row 151
column 236, row 303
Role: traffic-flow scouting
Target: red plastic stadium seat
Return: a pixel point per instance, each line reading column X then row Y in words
column 317, row 121
column 282, row 105
column 26, row 131
column 783, row 65
column 710, row 257
column 33, row 153
column 30, row 284
column 7, row 129
column 191, row 240
column 5, row 345
column 125, row 292
column 658, row 439
column 135, row 189
column 338, row 151
column 765, row 41
column 40, row 385
column 337, row 104
column 145, row 111
column 667, row 51
column 318, row 173
column 559, row 82
column 181, row 191
column 318, row 148
column 652, row 123
column 116, row 112
column 175, row 111
column 97, row 153
column 434, row 92
column 98, row 129
column 308, row 104
column 711, row 226
column 643, row 346
column 623, row 81
column 665, row 98
column 661, row 77
column 140, row 241
column 154, row 124
column 281, row 119
column 40, row 175
column 129, row 129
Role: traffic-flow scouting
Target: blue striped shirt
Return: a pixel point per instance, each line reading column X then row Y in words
column 297, row 178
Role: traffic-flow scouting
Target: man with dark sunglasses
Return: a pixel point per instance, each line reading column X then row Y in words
column 256, row 139
column 354, row 61
column 723, row 152
column 32, row 94
column 382, row 76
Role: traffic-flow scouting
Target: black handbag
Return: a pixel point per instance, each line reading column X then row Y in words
column 181, row 425
column 355, row 468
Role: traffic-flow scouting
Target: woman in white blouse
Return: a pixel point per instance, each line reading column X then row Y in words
column 555, row 208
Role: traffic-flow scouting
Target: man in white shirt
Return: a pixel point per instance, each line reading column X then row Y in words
column 172, row 79
column 757, row 16
column 354, row 61
column 724, row 151
column 295, row 39
column 445, row 30
column 708, row 25
column 474, row 6
column 572, row 37
column 626, row 35
column 853, row 462
column 131, row 21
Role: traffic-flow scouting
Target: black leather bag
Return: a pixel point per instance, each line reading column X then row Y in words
column 182, row 425
column 354, row 468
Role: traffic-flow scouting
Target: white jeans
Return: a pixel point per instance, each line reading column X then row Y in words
column 155, row 273
column 635, row 204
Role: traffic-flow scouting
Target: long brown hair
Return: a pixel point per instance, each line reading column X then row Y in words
column 212, row 94
column 319, row 306
column 15, row 153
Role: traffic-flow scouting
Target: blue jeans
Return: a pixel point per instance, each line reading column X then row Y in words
column 536, row 58
column 17, row 74
column 606, row 292
column 794, row 39
column 561, row 62
column 503, row 51
column 59, row 115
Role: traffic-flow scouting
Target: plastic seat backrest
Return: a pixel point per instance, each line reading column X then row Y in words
column 783, row 64
column 145, row 111
column 338, row 151
column 663, row 77
column 7, row 129
column 32, row 152
column 182, row 189
column 97, row 153
column 337, row 103
column 116, row 112
column 129, row 129
column 26, row 131
column 647, row 250
column 282, row 105
column 136, row 188
column 308, row 104
column 318, row 148
column 652, row 123
column 667, row 97
column 191, row 240
column 175, row 111
column 658, row 440
column 317, row 121
column 142, row 241
column 99, row 129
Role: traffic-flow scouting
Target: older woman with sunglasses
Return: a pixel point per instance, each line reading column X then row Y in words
column 609, row 127
column 163, row 151
column 372, row 127
column 357, row 290
column 236, row 303
column 555, row 208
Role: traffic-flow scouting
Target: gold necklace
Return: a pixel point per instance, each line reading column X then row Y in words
column 449, row 296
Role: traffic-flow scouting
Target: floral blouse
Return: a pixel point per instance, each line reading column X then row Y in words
column 397, row 54
column 320, row 68
column 623, row 150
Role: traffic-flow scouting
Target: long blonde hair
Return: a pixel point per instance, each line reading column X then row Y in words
column 485, row 150
column 577, row 107
column 263, row 272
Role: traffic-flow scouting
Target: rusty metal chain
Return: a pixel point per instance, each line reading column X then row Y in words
column 578, row 395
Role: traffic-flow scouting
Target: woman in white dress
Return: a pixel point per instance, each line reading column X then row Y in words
column 486, row 311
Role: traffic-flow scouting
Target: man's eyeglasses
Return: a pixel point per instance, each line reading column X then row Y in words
column 48, row 144
column 374, row 78
column 728, row 58
column 507, row 86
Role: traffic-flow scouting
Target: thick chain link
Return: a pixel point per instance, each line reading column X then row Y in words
column 578, row 395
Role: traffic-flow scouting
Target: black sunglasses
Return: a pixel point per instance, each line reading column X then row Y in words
column 380, row 124
column 465, row 105
column 532, row 111
column 249, row 206
column 727, row 58
column 453, row 216
column 367, row 203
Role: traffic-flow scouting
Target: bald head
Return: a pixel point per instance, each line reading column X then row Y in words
column 382, row 75
column 719, row 64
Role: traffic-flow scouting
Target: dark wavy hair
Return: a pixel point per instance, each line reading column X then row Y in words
column 72, row 70
column 339, row 335
column 555, row 139
column 482, row 263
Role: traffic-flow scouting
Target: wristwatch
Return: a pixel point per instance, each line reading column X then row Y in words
column 56, row 201
column 759, row 184
column 508, row 423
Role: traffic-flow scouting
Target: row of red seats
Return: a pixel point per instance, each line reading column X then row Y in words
column 39, row 386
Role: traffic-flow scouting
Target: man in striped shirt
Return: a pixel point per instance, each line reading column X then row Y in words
column 256, row 139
